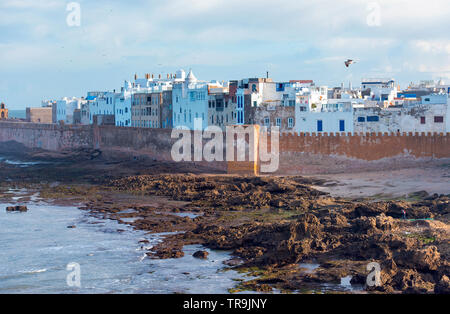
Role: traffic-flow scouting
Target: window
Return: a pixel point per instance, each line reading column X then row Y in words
column 267, row 121
column 319, row 126
column 439, row 119
column 290, row 122
column 373, row 118
column 361, row 119
column 240, row 117
column 423, row 120
column 279, row 122
column 342, row 125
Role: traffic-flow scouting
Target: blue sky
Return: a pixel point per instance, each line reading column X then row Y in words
column 41, row 57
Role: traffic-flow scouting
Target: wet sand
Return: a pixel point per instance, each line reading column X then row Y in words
column 387, row 184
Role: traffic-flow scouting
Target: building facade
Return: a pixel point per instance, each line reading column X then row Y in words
column 63, row 109
column 3, row 112
column 190, row 102
column 419, row 118
column 39, row 115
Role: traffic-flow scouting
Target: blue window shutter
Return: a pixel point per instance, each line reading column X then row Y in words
column 342, row 125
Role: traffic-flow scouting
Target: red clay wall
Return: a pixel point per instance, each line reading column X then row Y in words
column 369, row 147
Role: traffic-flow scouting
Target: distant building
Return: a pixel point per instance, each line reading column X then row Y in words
column 252, row 92
column 190, row 101
column 419, row 118
column 102, row 104
column 64, row 108
column 435, row 99
column 332, row 117
column 3, row 112
column 77, row 116
column 221, row 111
column 166, row 109
column 152, row 108
column 39, row 115
column 104, row 119
column 278, row 116
column 382, row 90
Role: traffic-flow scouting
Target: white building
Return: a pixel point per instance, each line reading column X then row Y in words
column 103, row 104
column 435, row 98
column 190, row 102
column 64, row 108
column 420, row 118
column 333, row 117
column 382, row 90
column 149, row 84
column 122, row 109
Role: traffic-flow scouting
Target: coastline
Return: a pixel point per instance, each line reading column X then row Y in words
column 272, row 225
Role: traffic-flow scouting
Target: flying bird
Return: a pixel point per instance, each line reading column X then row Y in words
column 349, row 62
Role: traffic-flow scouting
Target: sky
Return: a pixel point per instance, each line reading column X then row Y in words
column 44, row 54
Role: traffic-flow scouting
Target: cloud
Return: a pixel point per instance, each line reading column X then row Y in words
column 441, row 46
column 31, row 4
column 222, row 38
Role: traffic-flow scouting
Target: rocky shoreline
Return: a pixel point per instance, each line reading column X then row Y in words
column 272, row 225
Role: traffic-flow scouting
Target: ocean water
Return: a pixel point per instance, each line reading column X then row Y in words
column 17, row 114
column 37, row 247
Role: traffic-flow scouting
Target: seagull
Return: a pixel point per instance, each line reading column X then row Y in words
column 349, row 62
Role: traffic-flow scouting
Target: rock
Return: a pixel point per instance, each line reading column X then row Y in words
column 443, row 286
column 369, row 210
column 309, row 226
column 425, row 259
column 358, row 279
column 201, row 254
column 385, row 223
column 410, row 281
column 395, row 209
column 167, row 252
column 21, row 209
column 365, row 224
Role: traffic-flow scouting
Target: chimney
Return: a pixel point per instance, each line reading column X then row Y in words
column 267, row 74
column 153, row 76
column 135, row 76
column 160, row 76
